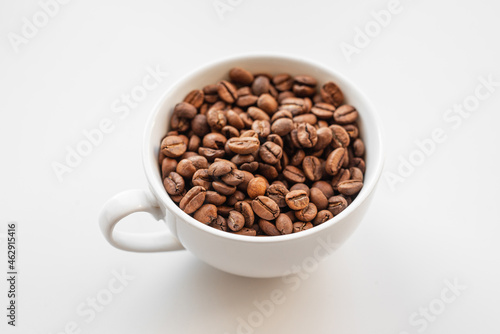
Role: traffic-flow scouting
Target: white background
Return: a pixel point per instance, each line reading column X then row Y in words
column 441, row 223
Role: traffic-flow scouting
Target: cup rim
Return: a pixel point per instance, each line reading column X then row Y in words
column 162, row 196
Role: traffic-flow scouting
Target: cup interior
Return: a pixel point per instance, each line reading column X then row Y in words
column 159, row 120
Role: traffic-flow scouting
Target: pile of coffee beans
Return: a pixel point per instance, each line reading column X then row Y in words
column 263, row 155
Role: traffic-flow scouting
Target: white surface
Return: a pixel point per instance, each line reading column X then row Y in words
column 441, row 223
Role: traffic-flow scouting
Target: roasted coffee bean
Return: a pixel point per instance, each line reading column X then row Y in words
column 268, row 228
column 193, row 199
column 186, row 168
column 345, row 114
column 168, row 165
column 334, row 161
column 201, row 178
column 174, row 183
column 282, row 126
column 179, row 124
column 250, row 166
column 261, row 85
column 358, row 147
column 283, row 82
column 270, row 152
column 195, row 98
column 235, row 221
column 219, row 168
column 325, row 137
column 274, row 138
column 220, row 223
column 241, row 76
column 321, row 217
column 224, row 210
column 356, row 174
column 340, row 136
column 301, row 226
column 297, row 158
column 242, row 158
column 277, row 192
column 284, row 224
column 358, row 162
column 267, row 103
column 246, row 210
column 304, row 85
column 349, row 187
column 296, row 199
column 281, row 114
column 301, row 186
column 296, row 105
column 268, row 171
column 185, row 110
column 258, row 114
column 306, row 118
column 199, row 125
column 206, row 214
column 194, row 143
column 233, row 178
column 257, row 187
column 352, row 130
column 331, row 93
column 323, row 110
column 178, row 198
column 318, row 198
column 308, row 213
column 312, row 168
column 247, row 231
column 213, row 197
column 223, row 189
column 293, row 174
column 336, row 204
column 246, row 101
column 284, row 95
column 306, row 135
column 325, row 188
column 262, row 129
column 234, row 120
column 216, row 119
column 230, row 132
column 244, row 145
column 227, row 91
column 173, row 146
column 265, row 208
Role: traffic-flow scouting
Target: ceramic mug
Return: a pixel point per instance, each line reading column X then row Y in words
column 241, row 255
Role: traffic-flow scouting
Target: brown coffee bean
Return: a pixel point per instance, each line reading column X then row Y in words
column 306, row 135
column 195, row 98
column 297, row 158
column 296, row 105
column 201, row 178
column 261, row 85
column 224, row 210
column 267, row 103
column 301, row 186
column 325, row 188
column 219, row 168
column 301, row 226
column 216, row 119
column 312, row 168
column 352, row 130
column 281, row 114
column 257, row 187
column 274, row 138
column 297, row 199
column 235, row 221
column 284, row 224
column 213, row 197
column 246, row 210
column 234, row 120
column 220, row 223
column 247, row 231
column 227, row 91
column 179, row 124
column 308, row 213
column 323, row 110
column 340, row 137
column 306, row 118
column 304, row 85
column 173, row 146
column 233, row 178
column 168, row 165
column 230, row 132
column 277, row 192
column 358, row 162
column 335, row 161
column 246, row 101
column 194, row 143
column 186, row 168
column 265, row 208
column 321, row 217
column 268, row 171
column 270, row 152
column 239, row 159
column 325, row 137
column 206, row 214
column 258, row 114
column 293, row 174
column 282, row 126
column 358, row 147
column 185, row 110
column 332, row 94
column 349, row 187
column 356, row 174
column 336, row 204
column 262, row 128
column 193, row 199
column 284, row 95
column 174, row 183
column 241, row 76
column 345, row 114
column 319, row 199
column 223, row 189
column 250, row 166
column 283, row 82
column 178, row 198
column 199, row 125
column 268, row 228
column 244, row 145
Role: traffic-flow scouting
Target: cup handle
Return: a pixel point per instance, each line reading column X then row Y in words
column 124, row 204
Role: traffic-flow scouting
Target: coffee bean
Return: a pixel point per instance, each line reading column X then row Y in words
column 297, row 158
column 336, row 204
column 293, row 174
column 224, row 210
column 268, row 171
column 193, row 199
column 223, row 189
column 179, row 124
column 349, row 187
column 283, row 82
column 356, row 174
column 247, row 231
column 241, row 76
column 246, row 101
column 250, row 166
column 352, row 130
column 304, row 85
column 340, row 136
column 321, row 217
column 267, row 103
column 186, row 168
column 194, row 143
column 195, row 98
column 257, row 187
column 173, row 146
column 296, row 105
column 323, row 110
column 220, row 223
column 234, row 177
column 265, row 208
column 230, row 131
column 312, row 168
column 282, row 126
column 246, row 210
column 332, row 94
column 297, row 199
column 334, row 161
column 235, row 221
column 185, row 110
column 206, row 214
column 319, row 199
column 260, row 85
column 308, row 213
column 281, row 114
column 301, row 186
column 301, row 226
column 219, row 168
column 268, row 228
column 199, row 125
column 358, row 162
column 345, row 114
column 284, row 95
column 276, row 139
column 213, row 197
column 358, row 147
column 277, row 192
column 168, row 165
column 270, row 152
column 244, row 145
column 227, row 91
column 325, row 137
column 174, row 183
column 284, row 224
column 306, row 118
column 306, row 135
column 325, row 188
column 201, row 178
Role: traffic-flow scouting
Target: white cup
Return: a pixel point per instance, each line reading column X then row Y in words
column 237, row 254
